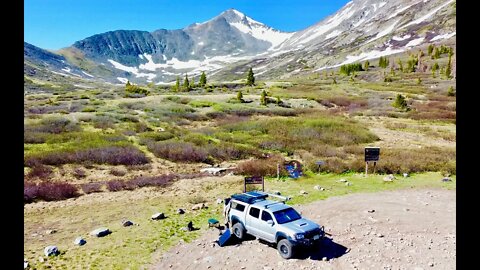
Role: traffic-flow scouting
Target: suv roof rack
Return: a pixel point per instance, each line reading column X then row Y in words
column 250, row 197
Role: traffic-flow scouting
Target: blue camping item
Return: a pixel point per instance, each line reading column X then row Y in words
column 224, row 238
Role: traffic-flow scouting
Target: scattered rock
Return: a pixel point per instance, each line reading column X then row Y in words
column 342, row 180
column 303, row 192
column 79, row 241
column 199, row 206
column 276, row 192
column 158, row 216
column 379, row 235
column 100, row 232
column 127, row 223
column 50, row 231
column 371, row 211
column 317, row 187
column 348, row 184
column 431, row 264
column 41, row 259
column 190, row 226
column 219, row 201
column 51, row 251
column 405, row 175
column 324, row 259
column 389, row 178
column 180, row 211
column 447, row 179
column 25, row 264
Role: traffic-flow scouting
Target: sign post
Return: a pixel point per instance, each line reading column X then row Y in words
column 253, row 180
column 371, row 154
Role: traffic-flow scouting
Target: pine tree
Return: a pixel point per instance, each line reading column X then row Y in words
column 250, row 78
column 203, row 79
column 400, row 64
column 263, row 98
column 334, row 81
column 186, row 84
column 240, row 96
column 430, row 49
column 400, row 102
column 279, row 101
column 366, row 65
column 435, row 67
column 451, row 92
column 177, row 84
column 192, row 83
column 448, row 69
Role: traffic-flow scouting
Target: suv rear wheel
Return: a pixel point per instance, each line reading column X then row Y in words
column 285, row 249
column 239, row 230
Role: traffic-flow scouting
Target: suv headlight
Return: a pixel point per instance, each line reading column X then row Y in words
column 299, row 236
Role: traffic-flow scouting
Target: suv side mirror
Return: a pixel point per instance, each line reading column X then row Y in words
column 270, row 222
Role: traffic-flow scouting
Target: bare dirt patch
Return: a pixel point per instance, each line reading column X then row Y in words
column 406, row 229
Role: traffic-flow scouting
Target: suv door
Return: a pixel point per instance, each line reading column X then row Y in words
column 252, row 219
column 267, row 231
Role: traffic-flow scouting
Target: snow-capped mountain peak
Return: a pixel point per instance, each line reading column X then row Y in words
column 254, row 28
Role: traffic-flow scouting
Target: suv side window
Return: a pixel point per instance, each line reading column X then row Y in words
column 237, row 206
column 254, row 212
column 266, row 216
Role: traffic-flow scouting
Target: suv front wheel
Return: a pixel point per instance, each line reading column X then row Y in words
column 285, row 249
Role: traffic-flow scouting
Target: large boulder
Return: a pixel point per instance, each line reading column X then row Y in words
column 51, row 251
column 158, row 216
column 100, row 232
column 199, row 206
column 127, row 223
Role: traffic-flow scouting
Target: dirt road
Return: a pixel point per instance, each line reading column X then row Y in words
column 407, row 229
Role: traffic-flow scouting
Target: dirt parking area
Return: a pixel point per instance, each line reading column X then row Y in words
column 406, row 229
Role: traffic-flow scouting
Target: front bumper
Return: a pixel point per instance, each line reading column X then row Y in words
column 311, row 239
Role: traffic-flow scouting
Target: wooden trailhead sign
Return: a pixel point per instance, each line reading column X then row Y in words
column 371, row 154
column 253, row 180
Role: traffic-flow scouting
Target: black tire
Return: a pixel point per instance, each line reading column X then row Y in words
column 285, row 249
column 239, row 230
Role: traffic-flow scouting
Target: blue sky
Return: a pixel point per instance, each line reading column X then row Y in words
column 54, row 24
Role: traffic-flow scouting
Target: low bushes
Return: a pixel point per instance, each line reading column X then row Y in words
column 113, row 155
column 262, row 167
column 178, row 151
column 48, row 191
column 141, row 181
column 91, row 187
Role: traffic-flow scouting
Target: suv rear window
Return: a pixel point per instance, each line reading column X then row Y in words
column 254, row 212
column 237, row 206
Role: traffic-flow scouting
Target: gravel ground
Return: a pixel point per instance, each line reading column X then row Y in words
column 407, row 229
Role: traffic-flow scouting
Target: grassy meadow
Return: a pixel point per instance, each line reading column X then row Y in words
column 95, row 153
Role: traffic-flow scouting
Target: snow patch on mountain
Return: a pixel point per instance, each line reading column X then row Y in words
column 333, row 34
column 123, row 80
column 322, row 29
column 89, row 75
column 260, row 31
column 428, row 15
column 415, row 42
column 401, row 38
column 444, row 36
column 384, row 32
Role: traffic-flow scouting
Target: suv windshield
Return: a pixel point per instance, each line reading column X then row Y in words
column 286, row 215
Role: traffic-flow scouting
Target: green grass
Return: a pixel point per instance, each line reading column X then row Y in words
column 133, row 247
